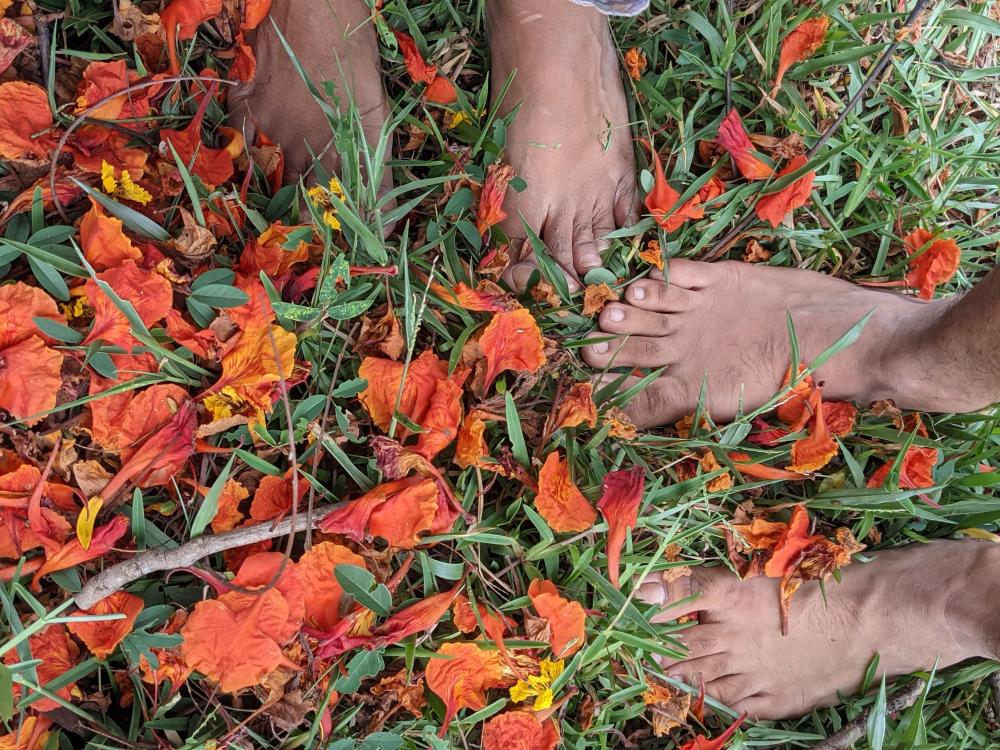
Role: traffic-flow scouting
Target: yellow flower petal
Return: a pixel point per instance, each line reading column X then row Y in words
column 85, row 521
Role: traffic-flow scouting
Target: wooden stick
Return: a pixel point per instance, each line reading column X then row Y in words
column 855, row 730
column 119, row 576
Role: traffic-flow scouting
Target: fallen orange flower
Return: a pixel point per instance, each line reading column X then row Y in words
column 519, row 730
column 700, row 742
column 160, row 456
column 462, row 676
column 104, row 243
column 384, row 377
column 316, row 568
column 800, row 44
column 936, row 265
column 213, row 165
column 104, row 79
column 444, row 414
column 915, row 471
column 662, row 200
column 251, row 374
column 56, row 653
column 396, row 511
column 840, row 417
column 774, row 207
column 494, row 624
column 228, row 514
column 32, row 733
column 267, row 252
column 744, row 465
column 511, row 341
column 790, row 544
column 619, row 504
column 30, row 371
column 25, row 119
column 181, row 20
column 417, row 618
column 635, row 63
column 72, row 553
column 103, row 636
column 577, row 407
column 732, row 136
column 470, row 447
column 816, row 450
column 439, row 89
column 558, row 500
column 566, row 619
column 485, row 297
column 236, row 640
column 147, row 291
column 14, row 39
column 653, row 254
column 490, row 209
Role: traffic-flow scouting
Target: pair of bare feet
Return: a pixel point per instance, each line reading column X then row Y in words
column 725, row 323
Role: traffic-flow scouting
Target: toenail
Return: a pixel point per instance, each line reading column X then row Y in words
column 638, row 292
column 616, row 314
column 600, row 348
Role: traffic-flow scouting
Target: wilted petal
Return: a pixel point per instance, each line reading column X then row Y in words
column 619, row 504
column 558, row 500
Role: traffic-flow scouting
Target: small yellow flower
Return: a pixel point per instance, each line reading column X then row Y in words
column 331, row 220
column 337, row 189
column 123, row 186
column 457, row 118
column 538, row 686
column 225, row 403
column 318, row 196
column 75, row 308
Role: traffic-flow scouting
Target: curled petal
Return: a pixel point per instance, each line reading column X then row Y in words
column 733, row 137
column 558, row 500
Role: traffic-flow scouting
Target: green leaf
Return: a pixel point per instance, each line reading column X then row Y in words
column 349, row 310
column 137, row 222
column 6, row 694
column 58, row 331
column 210, row 504
column 360, row 584
column 517, row 445
column 220, row 295
column 298, row 313
column 214, row 276
column 876, row 720
column 363, row 664
column 350, row 388
column 50, row 279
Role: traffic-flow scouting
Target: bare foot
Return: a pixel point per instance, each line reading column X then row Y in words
column 570, row 140
column 728, row 321
column 913, row 607
column 333, row 40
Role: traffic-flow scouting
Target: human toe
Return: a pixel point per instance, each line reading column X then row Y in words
column 628, row 351
column 656, row 295
column 619, row 318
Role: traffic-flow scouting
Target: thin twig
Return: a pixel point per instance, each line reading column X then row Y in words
column 118, row 576
column 722, row 246
column 994, row 683
column 855, row 730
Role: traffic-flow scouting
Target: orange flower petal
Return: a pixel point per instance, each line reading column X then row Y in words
column 396, row 511
column 444, row 413
column 619, row 504
column 512, row 341
column 792, row 541
column 380, row 395
column 461, row 677
column 72, row 553
column 566, row 619
column 774, row 207
column 936, row 265
column 316, row 568
column 24, row 111
column 577, row 407
column 471, row 448
column 915, row 472
column 57, row 653
column 103, row 636
column 801, row 44
column 490, row 209
column 559, row 501
column 516, row 730
column 733, row 137
column 104, row 243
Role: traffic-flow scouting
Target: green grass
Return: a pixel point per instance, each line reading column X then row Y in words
column 944, row 172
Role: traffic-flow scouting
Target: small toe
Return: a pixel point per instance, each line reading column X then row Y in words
column 630, row 351
column 517, row 275
column 690, row 274
column 657, row 295
column 559, row 240
column 757, row 707
column 586, row 252
column 692, row 671
column 618, row 318
column 626, row 209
